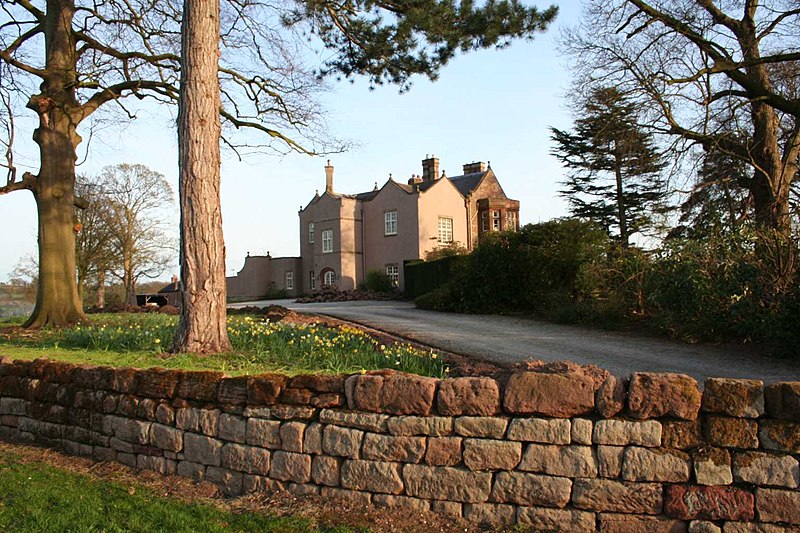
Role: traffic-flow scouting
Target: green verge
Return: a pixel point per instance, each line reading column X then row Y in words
column 140, row 340
column 35, row 497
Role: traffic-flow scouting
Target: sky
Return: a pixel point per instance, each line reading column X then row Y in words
column 491, row 105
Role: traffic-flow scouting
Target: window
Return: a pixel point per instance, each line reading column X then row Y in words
column 311, row 233
column 329, row 278
column 484, row 221
column 393, row 271
column 495, row 220
column 445, row 230
column 289, row 281
column 327, row 241
column 390, row 223
column 511, row 220
column 312, row 281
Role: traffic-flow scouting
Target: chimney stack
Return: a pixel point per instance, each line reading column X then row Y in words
column 471, row 168
column 329, row 177
column 430, row 168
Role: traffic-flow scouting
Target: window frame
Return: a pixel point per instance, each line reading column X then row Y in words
column 446, row 229
column 288, row 280
column 394, row 276
column 312, row 284
column 390, row 223
column 311, row 233
column 332, row 275
column 327, row 241
column 497, row 220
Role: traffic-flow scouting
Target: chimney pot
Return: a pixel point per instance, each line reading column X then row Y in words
column 329, row 177
column 430, row 168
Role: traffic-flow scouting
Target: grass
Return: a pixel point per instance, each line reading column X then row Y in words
column 141, row 340
column 36, row 497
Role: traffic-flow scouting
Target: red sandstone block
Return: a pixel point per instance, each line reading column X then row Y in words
column 264, row 389
column 122, row 380
column 233, row 390
column 86, row 377
column 11, row 386
column 36, row 367
column 56, row 372
column 294, row 396
column 782, row 400
column 157, row 382
column 477, row 396
column 327, row 400
column 558, row 395
column 319, row 382
column 653, row 395
column 199, row 386
column 776, row 505
column 393, row 393
column 709, row 503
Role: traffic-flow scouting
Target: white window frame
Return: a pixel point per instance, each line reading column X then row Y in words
column 312, row 281
column 390, row 223
column 329, row 278
column 445, row 230
column 496, row 220
column 484, row 220
column 289, row 280
column 327, row 241
column 511, row 220
column 311, row 233
column 393, row 271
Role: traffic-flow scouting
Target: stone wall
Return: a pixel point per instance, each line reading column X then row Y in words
column 564, row 450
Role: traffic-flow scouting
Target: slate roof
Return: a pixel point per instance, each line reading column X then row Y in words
column 466, row 183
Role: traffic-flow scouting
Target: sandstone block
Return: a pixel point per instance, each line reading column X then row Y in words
column 157, row 382
column 156, row 464
column 778, row 505
column 444, row 483
column 199, row 386
column 232, row 428
column 343, row 442
column 292, row 396
column 288, row 466
column 371, row 476
column 264, row 389
column 390, row 500
column 703, row 526
column 743, row 398
column 485, row 454
column 353, row 496
column 757, row 527
column 712, row 466
column 567, row 461
column 545, row 519
column 194, row 471
column 623, row 523
column 246, row 459
column 779, row 435
column 708, row 503
column 491, row 515
column 303, row 489
column 312, row 440
column 681, row 434
column 616, row 496
column 366, row 421
column 204, row 421
column 625, row 433
column 419, row 425
column 653, row 395
column 655, row 464
column 447, row 508
column 264, row 433
column 479, row 396
column 325, row 470
column 166, row 438
column 765, row 469
column 398, row 394
column 609, row 461
column 390, row 448
column 261, row 484
column 558, row 395
column 443, row 451
column 481, row 426
column 291, row 434
column 544, row 430
column 319, row 382
column 783, row 400
column 233, row 391
column 610, row 397
column 582, row 431
column 229, row 482
column 14, row 406
column 729, row 432
column 165, row 414
column 121, row 379
column 327, row 400
column 202, row 449
column 291, row 412
column 531, row 489
column 134, row 431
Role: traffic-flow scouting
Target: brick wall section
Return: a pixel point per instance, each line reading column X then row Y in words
column 558, row 451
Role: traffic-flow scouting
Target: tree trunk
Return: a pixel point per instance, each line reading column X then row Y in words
column 621, row 212
column 129, row 284
column 57, row 300
column 101, row 289
column 202, row 326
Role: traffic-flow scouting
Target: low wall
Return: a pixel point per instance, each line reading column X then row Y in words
column 559, row 451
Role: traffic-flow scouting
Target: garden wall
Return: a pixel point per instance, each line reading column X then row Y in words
column 558, row 448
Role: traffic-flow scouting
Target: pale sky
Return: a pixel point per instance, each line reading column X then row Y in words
column 486, row 106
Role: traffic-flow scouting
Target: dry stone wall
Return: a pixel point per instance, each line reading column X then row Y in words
column 554, row 450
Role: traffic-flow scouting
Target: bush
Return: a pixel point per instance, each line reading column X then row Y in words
column 377, row 281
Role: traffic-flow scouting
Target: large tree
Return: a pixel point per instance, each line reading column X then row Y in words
column 84, row 54
column 691, row 62
column 613, row 167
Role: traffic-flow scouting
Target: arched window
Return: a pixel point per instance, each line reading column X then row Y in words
column 329, row 278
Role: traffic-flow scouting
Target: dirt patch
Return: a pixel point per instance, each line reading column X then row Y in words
column 319, row 511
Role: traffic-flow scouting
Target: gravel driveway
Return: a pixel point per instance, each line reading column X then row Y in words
column 509, row 339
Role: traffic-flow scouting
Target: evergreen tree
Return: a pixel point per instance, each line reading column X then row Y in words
column 614, row 169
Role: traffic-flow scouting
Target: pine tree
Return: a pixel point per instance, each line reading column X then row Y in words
column 614, row 169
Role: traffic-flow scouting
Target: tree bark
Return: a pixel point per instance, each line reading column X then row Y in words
column 57, row 300
column 624, row 238
column 202, row 327
column 101, row 289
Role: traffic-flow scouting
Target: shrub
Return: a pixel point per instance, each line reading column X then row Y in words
column 378, row 281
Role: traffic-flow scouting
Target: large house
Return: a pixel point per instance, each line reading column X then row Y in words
column 345, row 236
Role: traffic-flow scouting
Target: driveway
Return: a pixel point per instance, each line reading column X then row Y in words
column 506, row 339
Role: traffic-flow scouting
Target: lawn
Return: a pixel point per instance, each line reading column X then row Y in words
column 141, row 340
